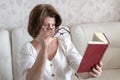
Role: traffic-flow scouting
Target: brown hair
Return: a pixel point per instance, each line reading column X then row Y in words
column 38, row 15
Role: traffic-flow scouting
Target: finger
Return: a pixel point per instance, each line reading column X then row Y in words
column 96, row 72
column 99, row 68
column 42, row 32
column 100, row 64
column 92, row 75
column 50, row 33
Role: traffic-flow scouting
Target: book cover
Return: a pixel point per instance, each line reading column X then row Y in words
column 94, row 52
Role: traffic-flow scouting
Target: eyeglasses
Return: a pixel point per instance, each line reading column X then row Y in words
column 63, row 32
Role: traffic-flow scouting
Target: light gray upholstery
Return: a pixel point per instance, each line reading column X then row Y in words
column 5, row 56
column 80, row 34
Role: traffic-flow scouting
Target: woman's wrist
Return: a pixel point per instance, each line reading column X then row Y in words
column 84, row 75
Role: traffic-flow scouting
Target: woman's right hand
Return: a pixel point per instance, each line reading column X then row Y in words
column 44, row 37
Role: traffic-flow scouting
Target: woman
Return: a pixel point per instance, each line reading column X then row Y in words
column 47, row 56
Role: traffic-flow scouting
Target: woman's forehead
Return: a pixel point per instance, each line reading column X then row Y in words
column 49, row 20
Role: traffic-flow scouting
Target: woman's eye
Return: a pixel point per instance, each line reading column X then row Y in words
column 49, row 25
column 45, row 25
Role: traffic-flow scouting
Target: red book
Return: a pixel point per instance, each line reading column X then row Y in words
column 94, row 52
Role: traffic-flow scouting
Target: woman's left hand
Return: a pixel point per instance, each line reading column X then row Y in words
column 96, row 71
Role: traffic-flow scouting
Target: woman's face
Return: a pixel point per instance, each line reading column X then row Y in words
column 49, row 25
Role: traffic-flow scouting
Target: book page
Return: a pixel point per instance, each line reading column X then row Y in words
column 99, row 38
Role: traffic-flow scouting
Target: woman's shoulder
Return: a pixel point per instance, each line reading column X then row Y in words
column 27, row 48
column 26, row 45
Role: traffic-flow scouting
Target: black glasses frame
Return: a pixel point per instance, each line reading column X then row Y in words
column 61, row 33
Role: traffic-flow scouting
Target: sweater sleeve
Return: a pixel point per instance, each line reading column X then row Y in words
column 26, row 59
column 71, row 53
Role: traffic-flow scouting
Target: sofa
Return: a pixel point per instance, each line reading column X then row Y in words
column 11, row 42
